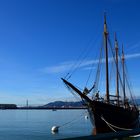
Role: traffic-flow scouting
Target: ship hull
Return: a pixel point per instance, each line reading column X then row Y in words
column 110, row 118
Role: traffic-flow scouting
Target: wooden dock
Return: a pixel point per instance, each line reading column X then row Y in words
column 109, row 136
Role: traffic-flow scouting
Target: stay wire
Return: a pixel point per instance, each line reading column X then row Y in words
column 77, row 64
column 129, row 83
column 98, row 70
column 91, row 70
column 73, row 120
column 115, row 62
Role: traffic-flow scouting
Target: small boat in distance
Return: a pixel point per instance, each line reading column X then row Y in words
column 113, row 112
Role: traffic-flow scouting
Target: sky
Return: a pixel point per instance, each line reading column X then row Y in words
column 41, row 40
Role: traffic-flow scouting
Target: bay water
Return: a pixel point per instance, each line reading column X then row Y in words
column 37, row 124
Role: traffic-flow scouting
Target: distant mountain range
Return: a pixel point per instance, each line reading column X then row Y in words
column 62, row 104
column 54, row 105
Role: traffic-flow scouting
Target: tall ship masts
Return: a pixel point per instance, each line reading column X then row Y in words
column 106, row 58
column 117, row 70
column 123, row 69
column 105, row 113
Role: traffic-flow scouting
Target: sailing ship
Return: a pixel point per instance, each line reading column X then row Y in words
column 113, row 112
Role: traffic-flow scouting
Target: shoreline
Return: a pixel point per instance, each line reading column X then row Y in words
column 41, row 108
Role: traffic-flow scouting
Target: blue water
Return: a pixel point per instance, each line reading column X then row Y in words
column 37, row 124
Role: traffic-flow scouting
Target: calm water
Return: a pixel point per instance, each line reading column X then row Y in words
column 37, row 124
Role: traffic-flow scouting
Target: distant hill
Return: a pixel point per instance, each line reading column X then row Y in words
column 62, row 104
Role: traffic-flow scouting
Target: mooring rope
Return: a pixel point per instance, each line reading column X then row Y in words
column 109, row 124
column 73, row 120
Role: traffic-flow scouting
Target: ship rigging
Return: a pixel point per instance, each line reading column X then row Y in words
column 113, row 112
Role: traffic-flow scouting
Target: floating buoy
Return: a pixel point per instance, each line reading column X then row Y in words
column 86, row 117
column 55, row 129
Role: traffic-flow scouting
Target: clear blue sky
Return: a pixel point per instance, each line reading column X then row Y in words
column 40, row 39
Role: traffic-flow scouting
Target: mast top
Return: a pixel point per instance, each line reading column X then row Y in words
column 105, row 25
column 116, row 42
column 104, row 18
column 122, row 53
column 115, row 36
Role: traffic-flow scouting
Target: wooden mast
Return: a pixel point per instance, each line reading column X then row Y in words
column 123, row 59
column 117, row 71
column 106, row 57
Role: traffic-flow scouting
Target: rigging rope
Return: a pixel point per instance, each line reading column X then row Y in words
column 95, row 84
column 87, row 50
column 128, row 84
column 98, row 71
column 121, row 128
column 111, row 73
column 115, row 62
column 75, row 95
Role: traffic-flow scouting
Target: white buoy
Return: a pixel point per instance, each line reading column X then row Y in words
column 86, row 117
column 55, row 129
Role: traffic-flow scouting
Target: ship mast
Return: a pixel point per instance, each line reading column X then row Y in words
column 117, row 71
column 123, row 59
column 106, row 58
